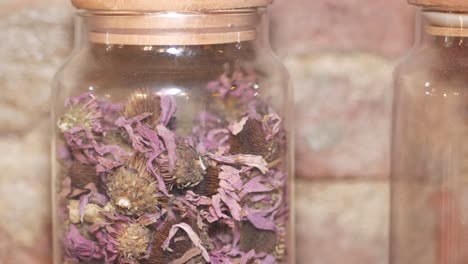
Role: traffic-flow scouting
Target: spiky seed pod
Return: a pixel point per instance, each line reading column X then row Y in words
column 84, row 114
column 158, row 255
column 143, row 101
column 133, row 241
column 132, row 190
column 253, row 238
column 252, row 140
column 210, row 184
column 189, row 170
column 83, row 174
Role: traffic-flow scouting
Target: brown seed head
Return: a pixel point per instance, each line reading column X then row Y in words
column 143, row 101
column 210, row 184
column 83, row 174
column 133, row 241
column 158, row 255
column 252, row 140
column 132, row 190
column 189, row 170
column 78, row 115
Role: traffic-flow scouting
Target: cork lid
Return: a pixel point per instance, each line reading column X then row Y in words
column 453, row 5
column 167, row 5
column 171, row 22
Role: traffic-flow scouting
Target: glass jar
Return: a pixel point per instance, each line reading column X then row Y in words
column 172, row 124
column 429, row 222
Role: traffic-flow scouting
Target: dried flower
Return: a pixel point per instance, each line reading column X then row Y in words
column 133, row 241
column 121, row 238
column 83, row 111
column 145, row 194
column 189, row 169
column 83, row 174
column 252, row 139
column 92, row 213
column 80, row 248
column 141, row 102
column 210, row 184
column 158, row 255
column 133, row 190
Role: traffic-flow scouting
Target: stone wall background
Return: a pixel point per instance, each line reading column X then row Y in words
column 340, row 54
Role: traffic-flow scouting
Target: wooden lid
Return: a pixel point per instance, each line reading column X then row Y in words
column 454, row 5
column 167, row 5
column 163, row 28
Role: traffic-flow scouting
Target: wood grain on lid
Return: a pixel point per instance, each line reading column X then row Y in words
column 167, row 5
column 447, row 32
column 454, row 5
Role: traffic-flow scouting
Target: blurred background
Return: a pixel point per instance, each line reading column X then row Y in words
column 340, row 54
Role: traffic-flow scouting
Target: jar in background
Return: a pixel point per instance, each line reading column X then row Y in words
column 429, row 222
column 172, row 124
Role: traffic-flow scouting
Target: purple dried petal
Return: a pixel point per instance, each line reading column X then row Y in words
column 76, row 245
column 237, row 127
column 233, row 205
column 149, row 219
column 150, row 167
column 256, row 185
column 247, row 160
column 272, row 125
column 150, row 137
column 137, row 141
column 168, row 109
column 246, row 258
column 269, row 259
column 216, row 200
column 230, row 176
column 196, row 199
column 191, row 234
column 169, row 140
column 261, row 222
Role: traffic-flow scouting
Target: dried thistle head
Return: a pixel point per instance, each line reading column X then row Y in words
column 84, row 114
column 252, row 140
column 253, row 238
column 134, row 191
column 189, row 168
column 210, row 184
column 144, row 101
column 133, row 241
column 83, row 174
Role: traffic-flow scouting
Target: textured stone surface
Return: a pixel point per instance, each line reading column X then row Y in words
column 37, row 40
column 29, row 60
column 342, row 222
column 379, row 26
column 24, row 199
column 343, row 110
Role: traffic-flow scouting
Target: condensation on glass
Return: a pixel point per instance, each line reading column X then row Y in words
column 429, row 222
column 171, row 143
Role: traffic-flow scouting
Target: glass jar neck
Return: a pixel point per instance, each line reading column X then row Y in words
column 444, row 29
column 172, row 28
